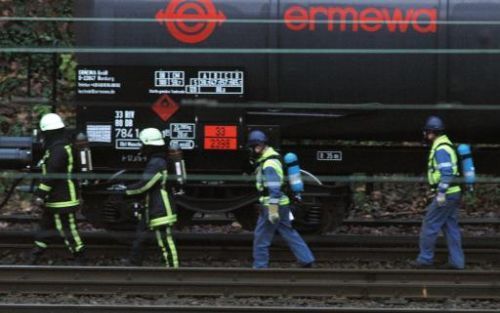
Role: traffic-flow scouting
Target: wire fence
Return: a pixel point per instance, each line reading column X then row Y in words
column 244, row 178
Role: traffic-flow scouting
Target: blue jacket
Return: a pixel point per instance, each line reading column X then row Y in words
column 445, row 167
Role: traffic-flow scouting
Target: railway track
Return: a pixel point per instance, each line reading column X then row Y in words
column 239, row 247
column 278, row 254
column 417, row 222
column 237, row 282
column 99, row 237
column 62, row 308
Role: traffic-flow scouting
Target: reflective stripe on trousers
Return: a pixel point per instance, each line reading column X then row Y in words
column 65, row 224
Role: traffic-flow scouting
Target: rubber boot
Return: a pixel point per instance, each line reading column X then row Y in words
column 79, row 258
column 308, row 265
column 35, row 255
column 136, row 255
column 417, row 265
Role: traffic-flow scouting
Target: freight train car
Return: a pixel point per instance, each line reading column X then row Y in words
column 282, row 66
column 205, row 72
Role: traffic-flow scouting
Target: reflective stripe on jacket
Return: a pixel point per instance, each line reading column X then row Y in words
column 443, row 166
column 154, row 183
column 269, row 178
column 56, row 185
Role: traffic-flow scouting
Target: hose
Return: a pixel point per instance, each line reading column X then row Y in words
column 314, row 178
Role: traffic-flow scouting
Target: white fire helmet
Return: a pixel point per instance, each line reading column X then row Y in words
column 151, row 137
column 51, row 121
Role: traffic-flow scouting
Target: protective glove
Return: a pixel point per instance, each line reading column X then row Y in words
column 38, row 202
column 441, row 199
column 273, row 215
column 297, row 198
column 179, row 192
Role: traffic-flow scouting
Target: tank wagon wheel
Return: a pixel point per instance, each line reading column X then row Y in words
column 109, row 209
column 323, row 207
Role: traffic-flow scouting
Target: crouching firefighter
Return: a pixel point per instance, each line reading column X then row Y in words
column 274, row 213
column 57, row 193
column 442, row 213
column 157, row 215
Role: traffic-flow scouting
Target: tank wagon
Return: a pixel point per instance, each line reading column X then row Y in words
column 224, row 61
column 283, row 66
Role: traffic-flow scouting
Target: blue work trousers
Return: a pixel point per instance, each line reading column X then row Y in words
column 264, row 233
column 444, row 218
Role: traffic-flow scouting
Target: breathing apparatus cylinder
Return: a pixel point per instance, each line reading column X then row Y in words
column 293, row 172
column 84, row 155
column 175, row 154
column 468, row 169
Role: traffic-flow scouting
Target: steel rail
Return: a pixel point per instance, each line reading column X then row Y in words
column 416, row 222
column 64, row 308
column 429, row 284
column 323, row 255
column 246, row 239
column 25, row 219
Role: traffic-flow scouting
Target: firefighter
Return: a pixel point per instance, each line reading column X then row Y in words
column 442, row 212
column 57, row 193
column 274, row 206
column 158, row 214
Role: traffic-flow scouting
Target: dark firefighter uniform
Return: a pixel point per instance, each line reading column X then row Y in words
column 158, row 214
column 60, row 195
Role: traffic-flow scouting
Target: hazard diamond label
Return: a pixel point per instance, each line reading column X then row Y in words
column 165, row 107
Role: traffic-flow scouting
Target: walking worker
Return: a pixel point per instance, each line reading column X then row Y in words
column 442, row 213
column 274, row 205
column 157, row 215
column 57, row 193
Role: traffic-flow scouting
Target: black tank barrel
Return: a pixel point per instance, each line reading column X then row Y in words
column 153, row 57
column 15, row 152
column 392, row 51
column 16, row 142
column 408, row 52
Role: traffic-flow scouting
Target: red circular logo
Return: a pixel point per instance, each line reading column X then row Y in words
column 201, row 19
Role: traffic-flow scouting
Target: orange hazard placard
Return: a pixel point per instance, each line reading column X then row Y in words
column 220, row 144
column 220, row 131
column 220, row 137
column 165, row 107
